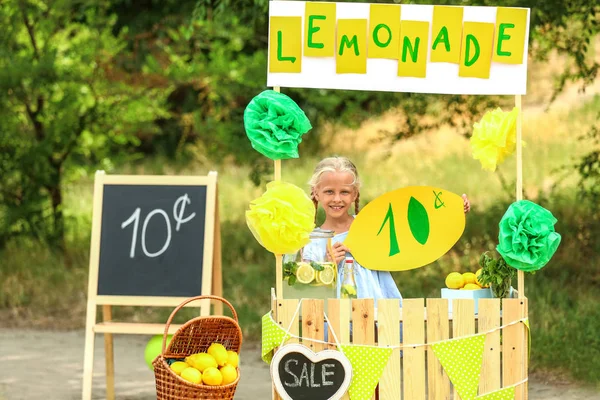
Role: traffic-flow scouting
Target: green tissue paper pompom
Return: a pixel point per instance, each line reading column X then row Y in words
column 527, row 240
column 275, row 124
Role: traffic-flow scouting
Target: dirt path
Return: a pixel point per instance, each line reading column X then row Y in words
column 43, row 365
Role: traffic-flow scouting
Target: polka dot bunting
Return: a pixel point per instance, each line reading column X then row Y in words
column 502, row 394
column 461, row 359
column 367, row 366
column 272, row 336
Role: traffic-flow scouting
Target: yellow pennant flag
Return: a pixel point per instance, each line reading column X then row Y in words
column 368, row 363
column 461, row 359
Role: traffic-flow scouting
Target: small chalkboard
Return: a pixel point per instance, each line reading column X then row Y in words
column 298, row 373
column 155, row 236
column 152, row 241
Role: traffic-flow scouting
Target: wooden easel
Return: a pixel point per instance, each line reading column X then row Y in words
column 212, row 280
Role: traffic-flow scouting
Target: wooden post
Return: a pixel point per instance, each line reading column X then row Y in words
column 109, row 355
column 519, row 194
column 522, row 393
column 278, row 257
column 217, row 278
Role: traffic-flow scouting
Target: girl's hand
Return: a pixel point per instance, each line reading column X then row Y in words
column 466, row 203
column 339, row 252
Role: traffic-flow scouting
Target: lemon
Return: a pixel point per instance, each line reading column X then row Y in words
column 219, row 352
column 191, row 374
column 469, row 277
column 229, row 374
column 455, row 280
column 472, row 286
column 178, row 366
column 201, row 361
column 212, row 376
column 477, row 281
column 327, row 276
column 305, row 273
column 348, row 292
column 233, row 359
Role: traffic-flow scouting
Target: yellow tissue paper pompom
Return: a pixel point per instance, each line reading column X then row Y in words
column 282, row 218
column 494, row 137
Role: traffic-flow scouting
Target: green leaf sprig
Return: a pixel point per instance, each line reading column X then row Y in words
column 497, row 273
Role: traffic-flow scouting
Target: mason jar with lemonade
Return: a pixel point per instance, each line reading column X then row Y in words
column 307, row 273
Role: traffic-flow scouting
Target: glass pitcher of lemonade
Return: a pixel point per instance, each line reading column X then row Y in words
column 307, row 273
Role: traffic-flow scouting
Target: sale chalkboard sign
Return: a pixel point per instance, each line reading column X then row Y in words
column 298, row 373
column 155, row 242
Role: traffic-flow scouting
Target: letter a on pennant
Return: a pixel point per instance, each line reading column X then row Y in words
column 285, row 44
column 446, row 31
column 476, row 50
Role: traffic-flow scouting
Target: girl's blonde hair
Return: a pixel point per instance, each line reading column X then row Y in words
column 334, row 164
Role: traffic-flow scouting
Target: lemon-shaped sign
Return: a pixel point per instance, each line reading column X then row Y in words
column 406, row 228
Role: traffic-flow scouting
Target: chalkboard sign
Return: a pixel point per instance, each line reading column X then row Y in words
column 300, row 374
column 155, row 242
column 153, row 237
column 152, row 240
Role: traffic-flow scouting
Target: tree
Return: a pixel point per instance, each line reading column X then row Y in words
column 214, row 57
column 64, row 108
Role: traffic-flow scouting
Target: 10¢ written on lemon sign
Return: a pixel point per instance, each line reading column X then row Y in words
column 406, row 228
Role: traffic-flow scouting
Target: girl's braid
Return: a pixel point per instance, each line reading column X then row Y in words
column 316, row 203
column 356, row 203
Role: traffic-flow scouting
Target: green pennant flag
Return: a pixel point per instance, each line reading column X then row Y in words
column 502, row 394
column 272, row 336
column 461, row 359
column 368, row 363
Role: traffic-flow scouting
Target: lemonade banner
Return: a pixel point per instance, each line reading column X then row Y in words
column 398, row 48
column 460, row 357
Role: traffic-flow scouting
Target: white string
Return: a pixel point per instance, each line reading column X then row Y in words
column 285, row 338
column 402, row 346
column 516, row 384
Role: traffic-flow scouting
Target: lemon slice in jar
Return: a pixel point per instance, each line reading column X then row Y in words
column 327, row 276
column 305, row 273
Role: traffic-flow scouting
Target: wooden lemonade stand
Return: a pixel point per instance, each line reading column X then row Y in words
column 410, row 329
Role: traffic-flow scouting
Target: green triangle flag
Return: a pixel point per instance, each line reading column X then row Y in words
column 502, row 394
column 368, row 363
column 272, row 336
column 461, row 359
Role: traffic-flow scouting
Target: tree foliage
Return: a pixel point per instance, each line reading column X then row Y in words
column 84, row 83
column 62, row 108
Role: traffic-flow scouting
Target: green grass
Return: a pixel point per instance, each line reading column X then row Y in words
column 39, row 287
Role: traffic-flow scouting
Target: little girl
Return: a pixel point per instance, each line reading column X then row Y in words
column 335, row 184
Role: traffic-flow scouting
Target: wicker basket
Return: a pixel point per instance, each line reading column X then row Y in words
column 195, row 336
